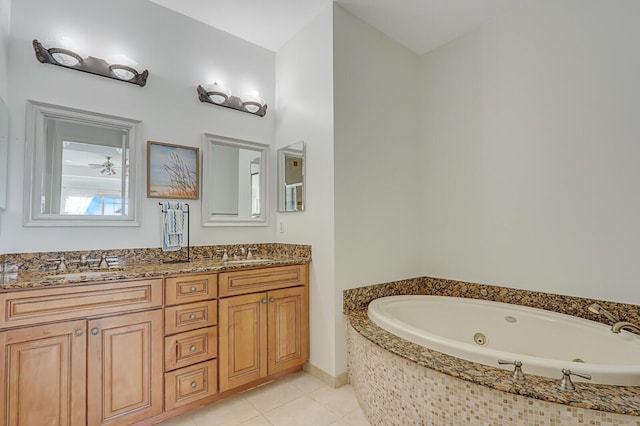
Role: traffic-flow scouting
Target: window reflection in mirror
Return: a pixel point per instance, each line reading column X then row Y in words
column 78, row 167
column 234, row 181
column 85, row 170
column 291, row 171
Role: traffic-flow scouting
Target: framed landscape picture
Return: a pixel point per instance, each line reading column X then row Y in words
column 173, row 171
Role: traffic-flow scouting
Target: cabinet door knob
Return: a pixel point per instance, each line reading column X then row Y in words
column 79, row 332
column 192, row 348
column 272, row 300
column 192, row 316
column 264, row 300
column 194, row 385
column 95, row 331
column 193, row 289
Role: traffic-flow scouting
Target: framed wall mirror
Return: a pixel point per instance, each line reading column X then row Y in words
column 234, row 182
column 81, row 167
column 291, row 174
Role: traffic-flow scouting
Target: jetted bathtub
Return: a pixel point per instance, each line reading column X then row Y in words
column 485, row 332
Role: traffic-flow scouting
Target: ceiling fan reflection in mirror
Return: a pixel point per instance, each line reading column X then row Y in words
column 108, row 168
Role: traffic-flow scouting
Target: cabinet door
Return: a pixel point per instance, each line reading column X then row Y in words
column 43, row 369
column 243, row 340
column 288, row 331
column 124, row 382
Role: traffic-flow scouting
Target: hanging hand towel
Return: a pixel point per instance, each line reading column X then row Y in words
column 172, row 225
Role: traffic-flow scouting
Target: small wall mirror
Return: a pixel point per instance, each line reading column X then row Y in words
column 291, row 171
column 234, row 182
column 80, row 167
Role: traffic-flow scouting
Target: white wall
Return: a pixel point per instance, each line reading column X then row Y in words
column 5, row 18
column 378, row 206
column 531, row 164
column 180, row 53
column 304, row 92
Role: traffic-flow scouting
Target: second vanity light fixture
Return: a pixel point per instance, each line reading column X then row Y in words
column 217, row 94
column 69, row 59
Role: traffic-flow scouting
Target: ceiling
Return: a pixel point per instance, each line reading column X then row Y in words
column 420, row 25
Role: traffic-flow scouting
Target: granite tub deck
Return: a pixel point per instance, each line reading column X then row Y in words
column 606, row 398
column 32, row 270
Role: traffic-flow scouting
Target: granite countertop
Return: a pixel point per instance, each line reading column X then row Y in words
column 17, row 280
column 608, row 398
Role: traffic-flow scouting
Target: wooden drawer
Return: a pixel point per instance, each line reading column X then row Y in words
column 26, row 307
column 190, row 317
column 254, row 280
column 190, row 384
column 190, row 347
column 190, row 288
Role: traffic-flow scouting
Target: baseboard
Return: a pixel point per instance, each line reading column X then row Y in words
column 333, row 381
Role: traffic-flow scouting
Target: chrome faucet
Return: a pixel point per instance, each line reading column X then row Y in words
column 225, row 255
column 62, row 264
column 566, row 385
column 599, row 310
column 516, row 375
column 621, row 325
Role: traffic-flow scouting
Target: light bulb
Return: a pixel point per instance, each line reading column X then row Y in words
column 65, row 51
column 123, row 72
column 122, row 66
column 217, row 93
column 253, row 102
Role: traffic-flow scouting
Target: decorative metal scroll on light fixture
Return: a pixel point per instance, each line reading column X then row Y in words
column 218, row 95
column 69, row 59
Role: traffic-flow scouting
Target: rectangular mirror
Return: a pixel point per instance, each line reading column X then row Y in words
column 81, row 167
column 291, row 171
column 234, row 182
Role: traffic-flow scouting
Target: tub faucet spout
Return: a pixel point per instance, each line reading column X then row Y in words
column 621, row 325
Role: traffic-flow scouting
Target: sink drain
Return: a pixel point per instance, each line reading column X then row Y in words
column 577, row 360
column 480, row 339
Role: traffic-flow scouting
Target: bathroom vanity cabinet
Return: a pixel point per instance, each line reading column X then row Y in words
column 143, row 350
column 100, row 363
column 264, row 323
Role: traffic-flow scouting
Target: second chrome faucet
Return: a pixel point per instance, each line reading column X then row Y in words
column 617, row 325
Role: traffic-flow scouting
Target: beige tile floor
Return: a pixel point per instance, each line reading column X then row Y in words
column 298, row 399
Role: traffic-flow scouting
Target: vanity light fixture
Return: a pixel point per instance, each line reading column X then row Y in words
column 73, row 60
column 217, row 94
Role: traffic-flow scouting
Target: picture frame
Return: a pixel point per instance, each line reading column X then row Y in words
column 173, row 171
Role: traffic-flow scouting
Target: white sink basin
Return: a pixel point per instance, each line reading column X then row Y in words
column 245, row 261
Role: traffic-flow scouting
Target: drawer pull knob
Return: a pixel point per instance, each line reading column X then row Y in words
column 192, row 316
column 192, row 348
column 95, row 331
column 79, row 332
column 264, row 300
column 272, row 300
column 193, row 289
column 194, row 385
